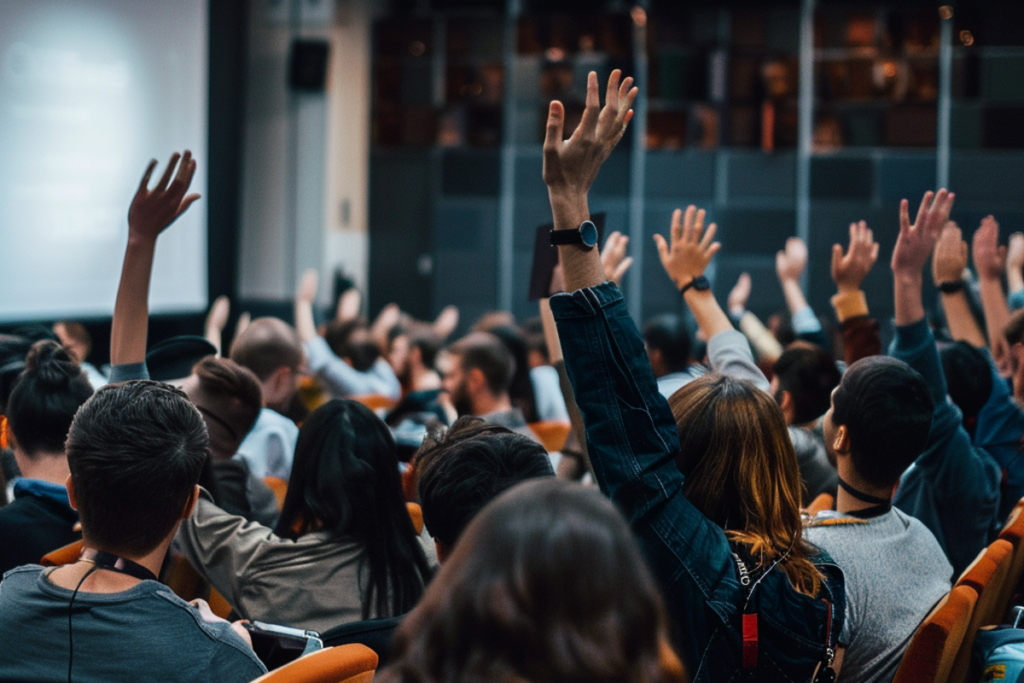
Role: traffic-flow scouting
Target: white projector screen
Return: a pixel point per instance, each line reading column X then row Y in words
column 90, row 90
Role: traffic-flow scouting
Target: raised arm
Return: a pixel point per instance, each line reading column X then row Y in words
column 305, row 295
column 990, row 262
column 948, row 264
column 861, row 336
column 151, row 212
column 790, row 264
column 760, row 337
column 216, row 320
column 1015, row 270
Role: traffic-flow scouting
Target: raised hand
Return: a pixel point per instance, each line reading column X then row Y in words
column 1015, row 262
column 446, row 322
column 570, row 166
column 153, row 210
column 691, row 249
column 613, row 257
column 950, row 256
column 349, row 303
column 216, row 320
column 850, row 269
column 308, row 286
column 740, row 294
column 791, row 262
column 916, row 241
column 989, row 257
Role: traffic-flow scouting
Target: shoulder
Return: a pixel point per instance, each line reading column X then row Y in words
column 272, row 422
column 19, row 575
column 831, row 518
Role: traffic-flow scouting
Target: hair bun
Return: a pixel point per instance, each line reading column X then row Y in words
column 50, row 365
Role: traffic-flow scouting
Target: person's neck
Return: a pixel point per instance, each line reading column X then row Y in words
column 50, row 467
column 846, row 502
column 424, row 379
column 487, row 404
column 107, row 581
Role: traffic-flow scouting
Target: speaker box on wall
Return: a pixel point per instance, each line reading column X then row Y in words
column 308, row 65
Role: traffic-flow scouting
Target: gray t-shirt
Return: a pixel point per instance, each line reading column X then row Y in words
column 895, row 573
column 143, row 633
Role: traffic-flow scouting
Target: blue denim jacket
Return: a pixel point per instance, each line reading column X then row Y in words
column 632, row 440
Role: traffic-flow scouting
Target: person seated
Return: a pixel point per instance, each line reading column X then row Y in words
column 876, row 427
column 134, row 451
column 413, row 353
column 477, row 379
column 344, row 548
column 77, row 340
column 270, row 348
column 230, row 400
column 710, row 486
column 470, row 466
column 802, row 381
column 667, row 340
column 341, row 377
column 546, row 584
column 39, row 412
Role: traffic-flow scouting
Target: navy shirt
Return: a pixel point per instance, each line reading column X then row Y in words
column 39, row 521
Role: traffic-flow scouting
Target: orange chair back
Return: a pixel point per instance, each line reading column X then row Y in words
column 1013, row 532
column 279, row 487
column 416, row 515
column 552, row 434
column 824, row 501
column 61, row 556
column 932, row 651
column 375, row 402
column 341, row 664
column 986, row 576
column 311, row 393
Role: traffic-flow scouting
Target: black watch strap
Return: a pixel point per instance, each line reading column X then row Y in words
column 952, row 286
column 700, row 283
column 565, row 237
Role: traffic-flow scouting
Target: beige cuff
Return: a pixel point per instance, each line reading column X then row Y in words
column 850, row 305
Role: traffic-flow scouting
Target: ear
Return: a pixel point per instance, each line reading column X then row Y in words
column 190, row 504
column 70, row 486
column 841, row 441
column 476, row 381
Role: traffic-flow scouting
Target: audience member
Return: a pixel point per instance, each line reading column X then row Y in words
column 667, row 342
column 471, row 465
column 39, row 412
column 547, row 584
column 77, row 340
column 412, row 355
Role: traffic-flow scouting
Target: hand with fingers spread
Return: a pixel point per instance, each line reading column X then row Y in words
column 916, row 241
column 850, row 269
column 989, row 257
column 950, row 257
column 691, row 249
column 613, row 257
column 570, row 166
column 791, row 262
column 740, row 294
column 153, row 210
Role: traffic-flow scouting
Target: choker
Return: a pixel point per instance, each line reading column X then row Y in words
column 114, row 563
column 879, row 505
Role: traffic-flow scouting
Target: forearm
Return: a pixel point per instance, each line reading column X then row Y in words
column 131, row 311
column 908, row 303
column 551, row 341
column 960, row 320
column 710, row 317
column 1015, row 280
column 582, row 266
column 304, row 323
column 795, row 299
column 997, row 311
column 764, row 342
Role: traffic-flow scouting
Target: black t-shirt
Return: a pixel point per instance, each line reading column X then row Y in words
column 33, row 526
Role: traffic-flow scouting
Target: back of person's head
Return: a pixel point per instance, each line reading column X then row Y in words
column 968, row 378
column 426, row 341
column 1014, row 329
column 229, row 398
column 887, row 411
column 741, row 470
column 345, row 481
column 13, row 350
column 75, row 338
column 669, row 335
column 808, row 374
column 520, row 389
column 45, row 399
column 351, row 340
column 469, row 467
column 547, row 585
column 135, row 451
column 484, row 352
column 266, row 345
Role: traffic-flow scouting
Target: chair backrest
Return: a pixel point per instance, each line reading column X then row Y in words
column 375, row 402
column 416, row 515
column 343, row 664
column 552, row 433
column 61, row 556
column 279, row 487
column 932, row 651
column 986, row 576
column 1013, row 532
column 375, row 634
column 824, row 501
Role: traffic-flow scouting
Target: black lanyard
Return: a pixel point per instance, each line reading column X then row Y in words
column 114, row 563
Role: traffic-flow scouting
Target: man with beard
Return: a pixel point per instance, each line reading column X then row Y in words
column 412, row 355
column 477, row 380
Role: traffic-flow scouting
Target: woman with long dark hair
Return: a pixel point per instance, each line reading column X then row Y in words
column 545, row 585
column 344, row 548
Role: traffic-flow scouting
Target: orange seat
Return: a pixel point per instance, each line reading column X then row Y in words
column 311, row 393
column 376, row 402
column 986, row 576
column 1013, row 532
column 552, row 434
column 341, row 664
column 61, row 556
column 824, row 501
column 932, row 651
column 416, row 514
column 279, row 487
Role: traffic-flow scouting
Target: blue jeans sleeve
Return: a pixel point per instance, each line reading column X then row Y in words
column 1016, row 300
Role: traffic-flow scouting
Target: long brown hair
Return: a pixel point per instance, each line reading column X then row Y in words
column 546, row 585
column 741, row 471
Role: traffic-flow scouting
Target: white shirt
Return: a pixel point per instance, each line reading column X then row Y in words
column 269, row 447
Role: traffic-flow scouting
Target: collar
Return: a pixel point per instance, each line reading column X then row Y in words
column 37, row 488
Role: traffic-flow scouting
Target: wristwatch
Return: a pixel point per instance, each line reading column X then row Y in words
column 586, row 235
column 952, row 286
column 699, row 283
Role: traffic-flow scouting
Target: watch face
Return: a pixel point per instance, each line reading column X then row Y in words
column 701, row 283
column 588, row 233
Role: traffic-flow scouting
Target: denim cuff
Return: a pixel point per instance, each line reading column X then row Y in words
column 1016, row 300
column 912, row 336
column 805, row 322
column 584, row 303
column 128, row 372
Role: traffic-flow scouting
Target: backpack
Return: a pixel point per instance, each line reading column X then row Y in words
column 999, row 654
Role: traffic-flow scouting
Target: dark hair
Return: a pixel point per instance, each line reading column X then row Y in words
column 669, row 334
column 546, row 585
column 809, row 374
column 77, row 332
column 968, row 379
column 135, row 451
column 345, row 481
column 351, row 340
column 485, row 352
column 520, row 389
column 887, row 410
column 266, row 345
column 45, row 399
column 468, row 468
column 1014, row 329
column 230, row 399
column 429, row 344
